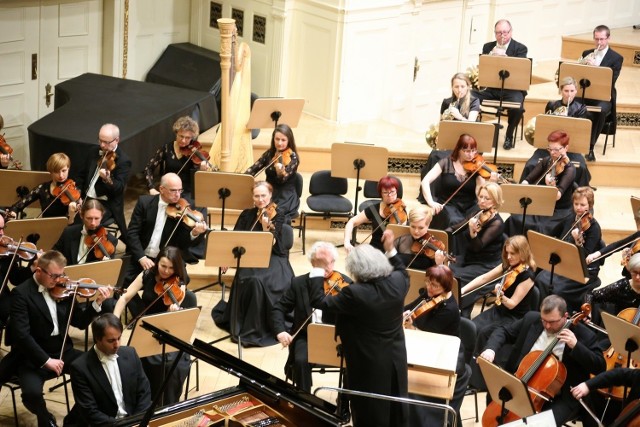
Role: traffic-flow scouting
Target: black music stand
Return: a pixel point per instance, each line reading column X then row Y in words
column 22, row 182
column 504, row 72
column 558, row 257
column 595, row 82
column 450, row 130
column 635, row 207
column 242, row 249
column 359, row 161
column 578, row 129
column 624, row 337
column 267, row 112
column 528, row 199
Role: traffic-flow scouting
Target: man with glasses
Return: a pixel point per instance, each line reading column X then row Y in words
column 37, row 330
column 97, row 181
column 505, row 46
column 576, row 346
column 602, row 56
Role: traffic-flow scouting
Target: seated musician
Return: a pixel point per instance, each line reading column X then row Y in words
column 391, row 210
column 458, row 187
column 461, row 105
column 478, row 241
column 555, row 171
column 438, row 314
column 629, row 246
column 40, row 346
column 164, row 288
column 575, row 345
column 108, row 381
column 567, row 106
column 177, row 156
column 78, row 242
column 104, row 176
column 583, row 230
column 56, row 197
column 258, row 289
column 418, row 249
column 296, row 299
column 281, row 161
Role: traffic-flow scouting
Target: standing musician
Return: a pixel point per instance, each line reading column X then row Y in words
column 38, row 331
column 104, row 176
column 391, row 210
column 440, row 315
column 369, row 323
column 554, row 171
column 458, row 185
column 281, row 162
column 164, row 288
column 567, row 106
column 575, row 346
column 419, row 250
column 629, row 246
column 296, row 298
column 58, row 197
column 461, row 105
column 259, row 289
column 178, row 156
column 78, row 242
column 505, row 46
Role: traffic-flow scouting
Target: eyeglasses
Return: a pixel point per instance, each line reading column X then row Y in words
column 387, row 193
column 554, row 150
column 102, row 141
column 184, row 137
column 635, row 273
column 53, row 276
column 173, row 190
column 502, row 32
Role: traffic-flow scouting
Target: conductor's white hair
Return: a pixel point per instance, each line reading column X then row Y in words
column 365, row 263
column 323, row 245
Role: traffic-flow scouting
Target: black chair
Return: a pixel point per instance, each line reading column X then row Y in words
column 326, row 200
column 370, row 191
column 467, row 332
column 493, row 111
column 609, row 128
column 13, row 385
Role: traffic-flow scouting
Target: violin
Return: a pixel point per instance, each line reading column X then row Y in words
column 108, row 162
column 428, row 245
column 629, row 253
column 542, row 372
column 169, row 290
column 425, row 306
column 26, row 251
column 196, row 154
column 182, row 210
column 6, row 149
column 507, row 280
column 85, row 288
column 333, row 284
column 102, row 247
column 479, row 164
column 66, row 191
column 556, row 167
column 282, row 157
column 582, row 223
column 396, row 212
column 270, row 212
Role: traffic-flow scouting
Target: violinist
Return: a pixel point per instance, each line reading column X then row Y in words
column 406, row 245
column 77, row 242
column 576, row 347
column 104, row 176
column 168, row 272
column 456, row 187
column 281, row 161
column 58, row 166
column 176, row 156
column 554, row 171
column 461, row 105
column 38, row 327
column 584, row 231
column 629, row 246
column 296, row 298
column 390, row 210
column 259, row 288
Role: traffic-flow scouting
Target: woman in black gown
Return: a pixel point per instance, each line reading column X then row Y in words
column 419, row 220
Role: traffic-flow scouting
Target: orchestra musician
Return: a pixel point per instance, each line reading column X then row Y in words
column 177, row 157
column 104, row 176
column 58, row 166
column 576, row 348
column 369, row 323
column 410, row 246
column 168, row 274
column 555, row 171
column 73, row 240
column 390, row 210
column 281, row 161
column 629, row 246
column 461, row 105
column 505, row 46
column 259, row 289
column 38, row 331
column 296, row 298
column 567, row 106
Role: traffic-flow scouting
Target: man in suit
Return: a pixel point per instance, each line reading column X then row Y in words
column 296, row 298
column 103, row 184
column 37, row 330
column 369, row 323
column 577, row 348
column 505, row 46
column 72, row 240
column 602, row 56
column 108, row 380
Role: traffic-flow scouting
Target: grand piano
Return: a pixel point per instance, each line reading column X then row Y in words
column 145, row 113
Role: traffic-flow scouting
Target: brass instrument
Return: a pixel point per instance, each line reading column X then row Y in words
column 585, row 60
column 447, row 115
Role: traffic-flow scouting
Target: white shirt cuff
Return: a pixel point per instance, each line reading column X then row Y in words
column 390, row 254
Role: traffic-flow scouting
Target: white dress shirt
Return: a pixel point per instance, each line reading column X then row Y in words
column 154, row 243
column 110, row 366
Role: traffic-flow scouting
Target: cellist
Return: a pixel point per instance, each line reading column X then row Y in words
column 576, row 348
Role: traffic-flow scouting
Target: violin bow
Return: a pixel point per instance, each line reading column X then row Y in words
column 381, row 220
column 5, row 280
column 504, row 274
column 96, row 242
column 64, row 188
column 142, row 313
column 555, row 162
column 422, row 302
column 574, row 224
column 66, row 331
column 184, row 211
column 476, row 216
column 463, row 184
column 626, row 246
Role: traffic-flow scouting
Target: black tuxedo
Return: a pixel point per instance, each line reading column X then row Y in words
column 95, row 402
column 114, row 205
column 585, row 358
column 69, row 243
